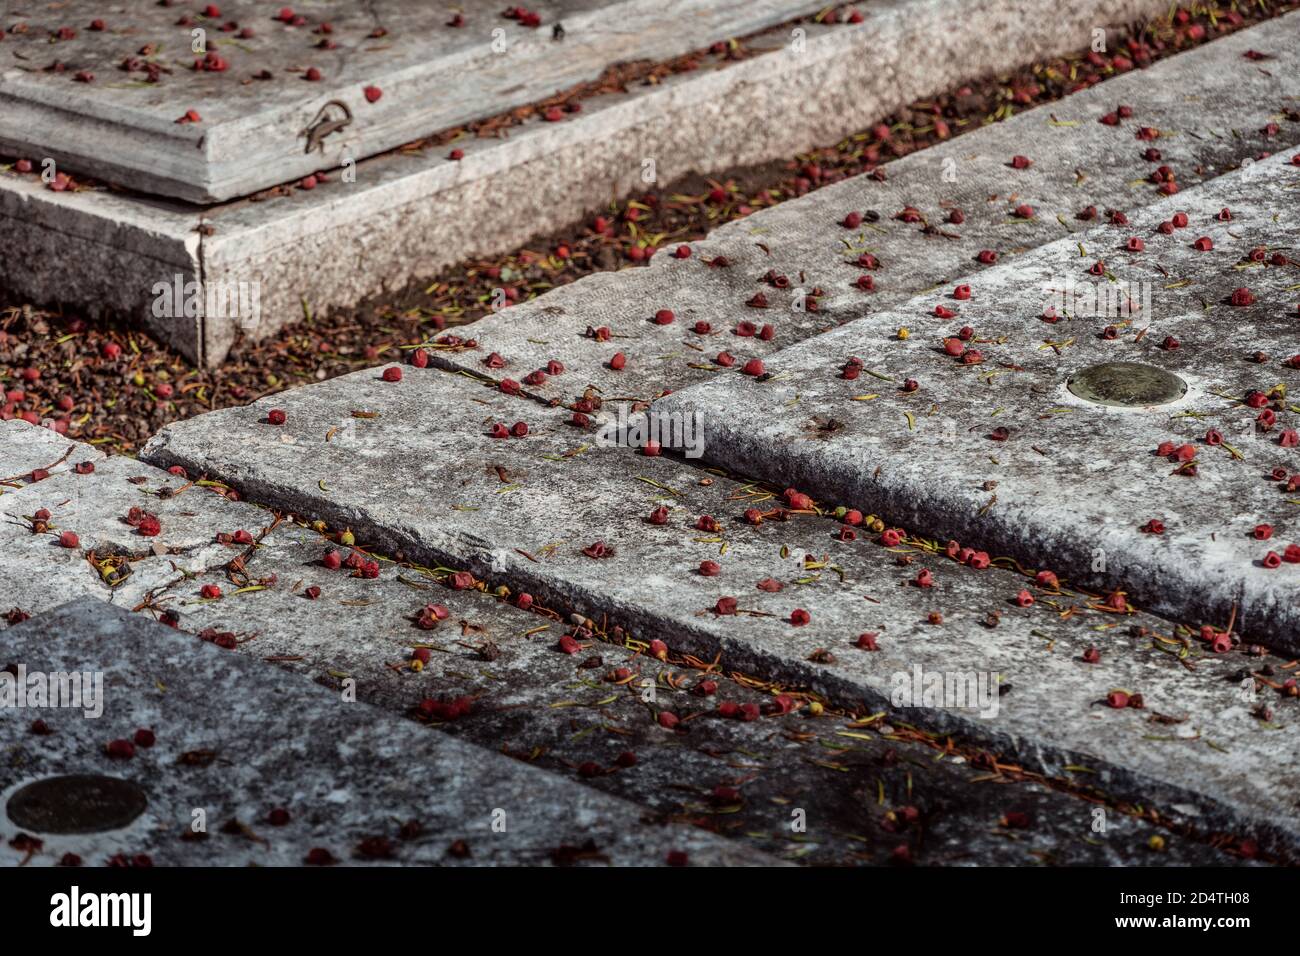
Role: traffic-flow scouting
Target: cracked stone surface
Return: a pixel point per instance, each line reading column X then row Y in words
column 1213, row 108
column 1048, row 486
column 349, row 776
column 419, row 474
column 258, row 101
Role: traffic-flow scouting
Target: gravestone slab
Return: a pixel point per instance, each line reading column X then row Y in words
column 563, row 714
column 781, row 256
column 583, row 714
column 242, row 764
column 411, row 466
column 408, row 213
column 278, row 97
column 995, row 448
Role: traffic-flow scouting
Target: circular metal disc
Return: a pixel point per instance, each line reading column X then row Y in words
column 1126, row 385
column 77, row 803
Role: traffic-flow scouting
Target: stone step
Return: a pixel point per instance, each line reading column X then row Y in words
column 229, row 741
column 1077, row 162
column 564, row 712
column 385, row 74
column 397, row 218
column 1006, row 453
column 410, row 466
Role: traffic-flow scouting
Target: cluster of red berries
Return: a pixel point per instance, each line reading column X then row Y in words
column 362, row 567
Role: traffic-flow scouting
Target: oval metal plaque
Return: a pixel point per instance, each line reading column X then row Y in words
column 77, row 803
column 1126, row 385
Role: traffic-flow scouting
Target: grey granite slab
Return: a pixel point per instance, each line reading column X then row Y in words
column 229, row 744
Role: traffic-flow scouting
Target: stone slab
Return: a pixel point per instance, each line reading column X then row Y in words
column 561, row 713
column 26, row 448
column 575, row 714
column 1211, row 106
column 95, row 507
column 419, row 474
column 407, row 215
column 1071, row 482
column 236, row 739
column 259, row 106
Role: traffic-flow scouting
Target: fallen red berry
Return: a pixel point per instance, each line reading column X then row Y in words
column 120, row 749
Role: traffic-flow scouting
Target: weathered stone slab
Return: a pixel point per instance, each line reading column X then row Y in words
column 1002, row 453
column 270, row 92
column 110, row 555
column 348, row 776
column 580, row 715
column 1077, row 162
column 26, row 448
column 563, row 714
column 329, row 247
column 420, row 474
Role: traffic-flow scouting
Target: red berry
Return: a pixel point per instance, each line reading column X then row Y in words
column 120, row 749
